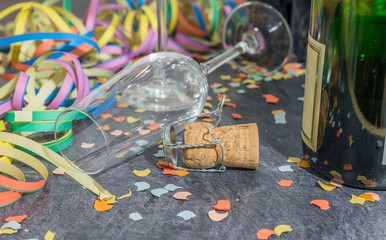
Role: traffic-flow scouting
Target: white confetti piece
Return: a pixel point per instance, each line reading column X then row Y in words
column 142, row 143
column 135, row 216
column 158, row 192
column 241, row 91
column 186, row 215
column 280, row 118
column 121, row 154
column 234, row 84
column 87, row 145
column 12, row 225
column 148, row 121
column 159, row 154
column 171, row 187
column 286, row 168
column 142, row 186
column 136, row 149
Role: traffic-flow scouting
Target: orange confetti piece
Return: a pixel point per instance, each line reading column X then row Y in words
column 223, row 205
column 253, row 86
column 58, row 171
column 269, row 98
column 321, row 203
column 277, row 111
column 228, row 104
column 367, row 197
column 347, row 167
column 264, row 234
column 169, row 171
column 153, row 126
column 208, row 105
column 374, row 195
column 285, row 183
column 106, row 127
column 304, row 164
column 181, row 173
column 106, row 115
column 207, row 119
column 242, row 75
column 236, row 116
column 163, row 164
column 122, row 105
column 102, row 206
column 18, row 219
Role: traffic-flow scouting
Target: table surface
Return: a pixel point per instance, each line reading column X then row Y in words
column 257, row 201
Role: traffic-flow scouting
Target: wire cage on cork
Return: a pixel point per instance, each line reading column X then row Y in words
column 207, row 147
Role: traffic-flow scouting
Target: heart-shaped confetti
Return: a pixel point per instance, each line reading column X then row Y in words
column 136, row 150
column 181, row 195
column 142, row 173
column 171, row 187
column 132, row 119
column 119, row 119
column 321, row 203
column 280, row 229
column 186, row 215
column 106, row 127
column 286, row 168
column 102, row 206
column 158, row 192
column 142, row 143
column 122, row 105
column 222, row 205
column 121, row 154
column 18, row 219
column 153, row 126
column 143, row 131
column 142, row 186
column 159, row 154
column 135, row 216
column 326, row 187
column 87, row 145
column 285, row 183
column 12, row 224
column 357, row 200
column 217, row 217
column 58, row 171
column 264, row 234
column 117, row 133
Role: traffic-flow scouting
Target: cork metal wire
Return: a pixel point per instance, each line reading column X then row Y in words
column 171, row 147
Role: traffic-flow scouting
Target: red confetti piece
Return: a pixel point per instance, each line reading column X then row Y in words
column 236, row 116
column 269, row 98
column 119, row 119
column 285, row 183
column 264, row 234
column 18, row 219
column 153, row 126
column 321, row 203
column 223, row 205
column 347, row 167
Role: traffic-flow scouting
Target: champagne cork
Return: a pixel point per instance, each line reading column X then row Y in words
column 240, row 142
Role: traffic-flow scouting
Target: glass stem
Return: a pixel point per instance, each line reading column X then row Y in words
column 161, row 21
column 211, row 65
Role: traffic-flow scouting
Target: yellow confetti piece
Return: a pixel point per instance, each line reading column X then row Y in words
column 249, row 81
column 279, row 229
column 2, row 126
column 132, row 119
column 335, row 174
column 139, row 110
column 142, row 173
column 125, row 196
column 294, row 160
column 361, row 178
column 49, row 235
column 326, row 187
column 225, row 77
column 7, row 231
column 208, row 105
column 357, row 200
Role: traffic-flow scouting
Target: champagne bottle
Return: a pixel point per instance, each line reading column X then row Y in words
column 344, row 114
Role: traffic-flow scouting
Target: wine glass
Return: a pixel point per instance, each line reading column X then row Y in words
column 125, row 116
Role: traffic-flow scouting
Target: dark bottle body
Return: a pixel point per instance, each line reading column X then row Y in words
column 344, row 118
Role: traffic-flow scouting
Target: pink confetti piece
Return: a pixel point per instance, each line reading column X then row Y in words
column 143, row 131
column 217, row 217
column 58, row 171
column 87, row 145
column 117, row 133
column 119, row 119
column 182, row 195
